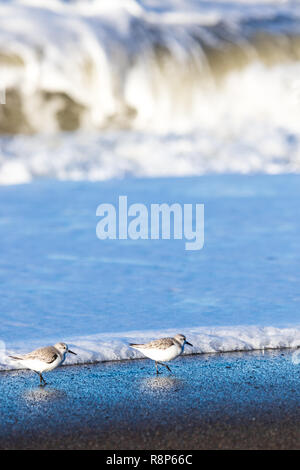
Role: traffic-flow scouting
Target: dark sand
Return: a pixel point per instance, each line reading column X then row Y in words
column 218, row 401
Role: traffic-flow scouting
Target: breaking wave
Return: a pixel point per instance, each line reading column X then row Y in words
column 124, row 64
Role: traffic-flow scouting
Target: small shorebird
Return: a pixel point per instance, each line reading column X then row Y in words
column 44, row 359
column 164, row 349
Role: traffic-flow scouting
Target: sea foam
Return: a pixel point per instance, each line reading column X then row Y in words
column 115, row 347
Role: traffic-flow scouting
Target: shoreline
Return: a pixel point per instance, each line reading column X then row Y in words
column 197, row 354
column 114, row 347
column 234, row 400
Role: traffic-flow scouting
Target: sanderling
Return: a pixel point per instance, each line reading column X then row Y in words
column 164, row 349
column 44, row 359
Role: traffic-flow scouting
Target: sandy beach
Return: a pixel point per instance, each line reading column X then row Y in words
column 215, row 401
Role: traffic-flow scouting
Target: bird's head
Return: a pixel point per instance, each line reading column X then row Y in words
column 63, row 348
column 182, row 340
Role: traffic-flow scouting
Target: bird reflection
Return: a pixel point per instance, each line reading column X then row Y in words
column 162, row 383
column 44, row 394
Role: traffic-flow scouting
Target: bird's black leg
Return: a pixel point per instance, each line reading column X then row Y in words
column 165, row 365
column 38, row 375
column 157, row 372
column 42, row 380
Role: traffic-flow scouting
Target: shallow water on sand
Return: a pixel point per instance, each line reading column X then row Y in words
column 58, row 281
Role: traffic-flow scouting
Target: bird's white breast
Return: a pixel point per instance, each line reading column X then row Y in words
column 40, row 366
column 163, row 355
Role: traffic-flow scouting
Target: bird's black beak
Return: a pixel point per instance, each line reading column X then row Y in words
column 189, row 344
column 69, row 350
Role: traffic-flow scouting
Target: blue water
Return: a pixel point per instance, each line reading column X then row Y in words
column 57, row 278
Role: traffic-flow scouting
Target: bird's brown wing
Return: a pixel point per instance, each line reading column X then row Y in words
column 163, row 343
column 48, row 354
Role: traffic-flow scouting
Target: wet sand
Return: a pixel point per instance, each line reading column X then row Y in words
column 217, row 401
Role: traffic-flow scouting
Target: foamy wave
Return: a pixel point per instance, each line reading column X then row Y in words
column 115, row 347
column 248, row 146
column 120, row 64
